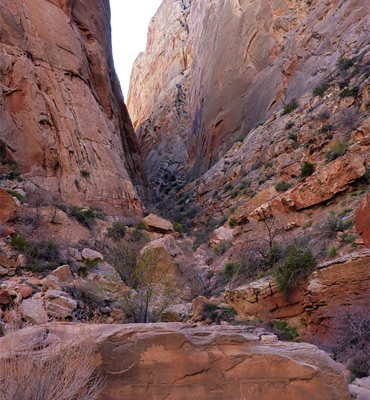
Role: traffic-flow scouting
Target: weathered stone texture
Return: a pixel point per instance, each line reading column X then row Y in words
column 212, row 70
column 62, row 115
column 176, row 361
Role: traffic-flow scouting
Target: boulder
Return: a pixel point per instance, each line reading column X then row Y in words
column 221, row 235
column 63, row 274
column 50, row 282
column 154, row 223
column 33, row 311
column 26, row 291
column 178, row 361
column 4, row 296
column 92, row 255
column 7, row 206
column 6, row 262
column 106, row 271
column 75, row 254
column 22, row 260
column 59, row 304
column 3, row 271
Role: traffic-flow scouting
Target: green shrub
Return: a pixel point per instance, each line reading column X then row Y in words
column 339, row 148
column 353, row 92
column 298, row 264
column 326, row 128
column 289, row 125
column 348, row 237
column 293, row 105
column 285, row 332
column 117, row 230
column 15, row 194
column 19, row 242
column 85, row 216
column 222, row 248
column 177, row 227
column 359, row 366
column 345, row 63
column 218, row 314
column 233, row 222
column 268, row 164
column 44, row 250
column 229, row 186
column 141, row 226
column 230, row 271
column 332, row 252
column 334, row 224
column 307, row 225
column 235, row 193
column 307, row 170
column 293, row 136
column 283, row 186
column 320, row 90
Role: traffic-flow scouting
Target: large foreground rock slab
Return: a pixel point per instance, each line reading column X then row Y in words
column 178, row 361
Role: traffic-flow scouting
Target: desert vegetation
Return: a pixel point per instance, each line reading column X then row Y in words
column 64, row 372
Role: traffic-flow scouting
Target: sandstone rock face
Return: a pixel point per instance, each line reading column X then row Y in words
column 212, row 70
column 334, row 286
column 154, row 223
column 176, row 361
column 62, row 115
column 7, row 206
column 321, row 186
column 221, row 235
column 362, row 219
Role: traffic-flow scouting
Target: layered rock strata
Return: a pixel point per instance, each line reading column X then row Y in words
column 336, row 287
column 62, row 114
column 178, row 361
column 213, row 70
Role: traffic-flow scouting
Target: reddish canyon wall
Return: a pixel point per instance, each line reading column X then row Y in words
column 62, row 115
column 213, row 69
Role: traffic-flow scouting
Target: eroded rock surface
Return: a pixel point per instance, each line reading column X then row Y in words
column 178, row 361
column 333, row 288
column 62, row 115
column 212, row 70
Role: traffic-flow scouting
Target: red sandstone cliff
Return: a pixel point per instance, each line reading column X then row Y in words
column 62, row 114
column 213, row 69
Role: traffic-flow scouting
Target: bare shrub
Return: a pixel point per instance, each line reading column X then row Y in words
column 63, row 372
column 152, row 291
column 348, row 120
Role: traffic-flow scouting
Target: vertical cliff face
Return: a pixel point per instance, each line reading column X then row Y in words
column 63, row 119
column 212, row 70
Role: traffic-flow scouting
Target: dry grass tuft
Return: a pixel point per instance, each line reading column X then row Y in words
column 56, row 372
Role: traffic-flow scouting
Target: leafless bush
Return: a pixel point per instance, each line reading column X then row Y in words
column 348, row 120
column 324, row 114
column 63, row 372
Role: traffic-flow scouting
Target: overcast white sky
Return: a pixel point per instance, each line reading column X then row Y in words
column 130, row 21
